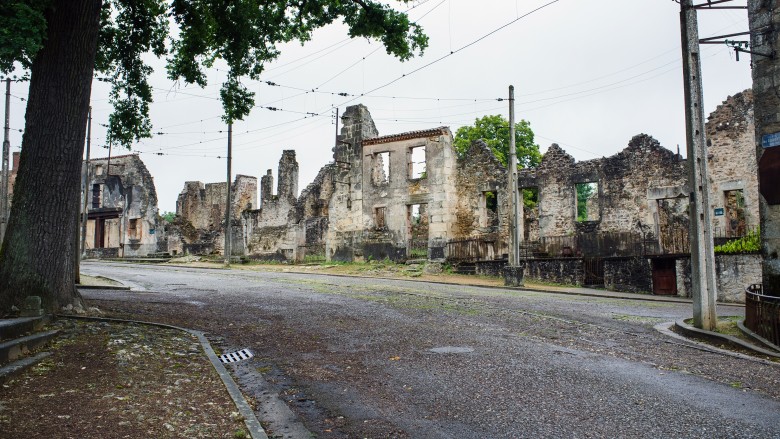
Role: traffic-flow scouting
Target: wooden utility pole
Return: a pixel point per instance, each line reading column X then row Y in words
column 702, row 251
column 6, row 151
column 512, row 192
column 229, row 197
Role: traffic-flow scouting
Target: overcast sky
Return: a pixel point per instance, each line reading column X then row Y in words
column 588, row 75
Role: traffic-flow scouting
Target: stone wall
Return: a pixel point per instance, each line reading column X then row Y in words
column 480, row 173
column 734, row 274
column 379, row 208
column 632, row 274
column 561, row 271
column 629, row 184
column 122, row 201
column 732, row 164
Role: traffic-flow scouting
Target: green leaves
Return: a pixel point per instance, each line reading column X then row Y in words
column 22, row 32
column 494, row 131
column 129, row 30
column 243, row 33
column 750, row 243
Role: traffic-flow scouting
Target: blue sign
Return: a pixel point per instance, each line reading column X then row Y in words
column 770, row 140
column 151, row 231
column 719, row 211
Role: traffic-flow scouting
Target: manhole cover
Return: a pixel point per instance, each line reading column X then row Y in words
column 232, row 357
column 452, row 350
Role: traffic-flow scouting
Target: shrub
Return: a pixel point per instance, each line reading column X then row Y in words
column 749, row 243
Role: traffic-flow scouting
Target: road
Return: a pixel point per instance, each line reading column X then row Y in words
column 359, row 357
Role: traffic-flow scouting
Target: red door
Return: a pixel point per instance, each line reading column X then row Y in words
column 664, row 277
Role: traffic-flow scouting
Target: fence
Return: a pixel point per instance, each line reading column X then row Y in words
column 418, row 248
column 762, row 314
column 617, row 244
column 474, row 249
column 596, row 245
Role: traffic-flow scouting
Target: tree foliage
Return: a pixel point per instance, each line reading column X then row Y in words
column 584, row 192
column 245, row 34
column 494, row 131
column 168, row 216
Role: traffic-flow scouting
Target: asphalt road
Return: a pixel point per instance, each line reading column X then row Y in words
column 356, row 357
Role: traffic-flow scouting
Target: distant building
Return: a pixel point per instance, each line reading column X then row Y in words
column 121, row 208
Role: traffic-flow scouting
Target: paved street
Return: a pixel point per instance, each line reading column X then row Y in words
column 356, row 357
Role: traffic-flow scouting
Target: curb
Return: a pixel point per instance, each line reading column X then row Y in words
column 723, row 338
column 665, row 329
column 754, row 336
column 102, row 287
column 250, row 420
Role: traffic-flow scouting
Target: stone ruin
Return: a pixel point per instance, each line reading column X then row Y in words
column 619, row 221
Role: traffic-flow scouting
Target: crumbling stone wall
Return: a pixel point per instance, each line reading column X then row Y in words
column 345, row 209
column 370, row 216
column 732, row 164
column 199, row 226
column 479, row 172
column 628, row 184
column 126, row 207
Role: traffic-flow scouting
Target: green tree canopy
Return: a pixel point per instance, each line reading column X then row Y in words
column 494, row 131
column 242, row 33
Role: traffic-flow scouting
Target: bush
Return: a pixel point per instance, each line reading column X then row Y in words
column 750, row 243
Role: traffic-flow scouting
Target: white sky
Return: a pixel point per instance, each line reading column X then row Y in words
column 588, row 75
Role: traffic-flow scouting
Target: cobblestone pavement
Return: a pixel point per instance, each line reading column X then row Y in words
column 357, row 357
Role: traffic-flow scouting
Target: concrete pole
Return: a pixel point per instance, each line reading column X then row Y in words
column 514, row 214
column 229, row 197
column 85, row 188
column 701, row 241
column 6, row 150
column 765, row 59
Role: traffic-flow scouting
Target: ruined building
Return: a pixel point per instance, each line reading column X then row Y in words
column 619, row 221
column 121, row 208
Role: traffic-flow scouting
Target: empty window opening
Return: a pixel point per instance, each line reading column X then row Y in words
column 735, row 213
column 379, row 217
column 417, row 168
column 381, row 168
column 132, row 228
column 488, row 209
column 587, row 201
column 417, row 221
column 530, row 213
column 95, row 196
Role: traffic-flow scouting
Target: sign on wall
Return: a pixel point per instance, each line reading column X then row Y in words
column 770, row 140
column 719, row 211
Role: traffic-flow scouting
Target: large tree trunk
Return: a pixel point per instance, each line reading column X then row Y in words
column 37, row 254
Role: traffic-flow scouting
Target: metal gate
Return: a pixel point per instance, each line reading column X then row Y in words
column 593, row 272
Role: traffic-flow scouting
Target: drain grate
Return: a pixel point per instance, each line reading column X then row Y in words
column 232, row 357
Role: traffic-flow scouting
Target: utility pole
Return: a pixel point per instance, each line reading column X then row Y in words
column 702, row 251
column 229, row 197
column 81, row 221
column 514, row 232
column 85, row 179
column 513, row 272
column 6, row 151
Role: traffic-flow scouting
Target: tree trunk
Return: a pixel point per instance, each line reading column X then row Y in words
column 37, row 255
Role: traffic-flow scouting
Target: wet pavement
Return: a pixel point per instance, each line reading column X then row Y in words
column 358, row 357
